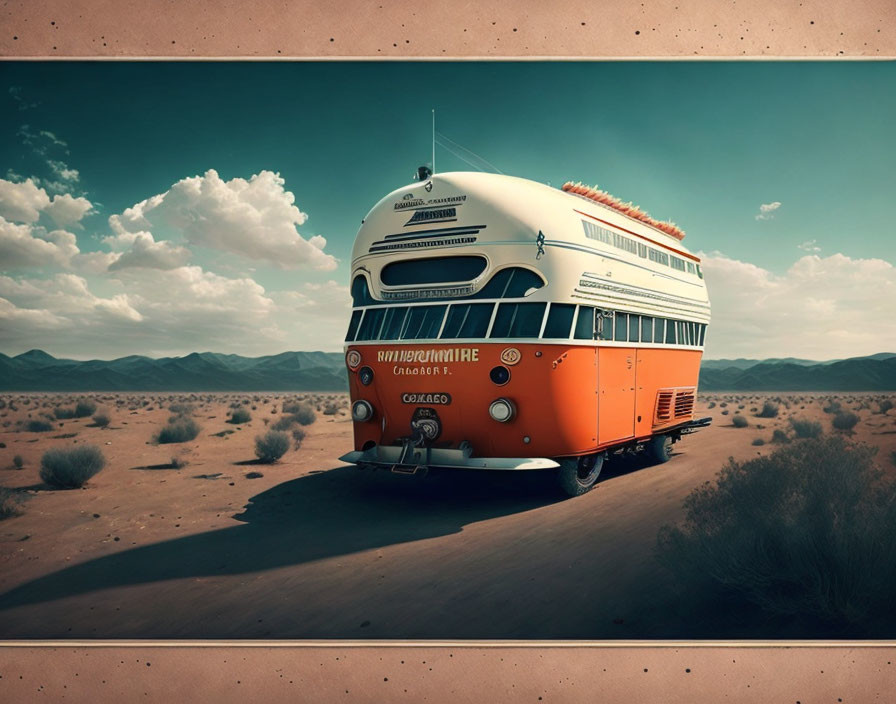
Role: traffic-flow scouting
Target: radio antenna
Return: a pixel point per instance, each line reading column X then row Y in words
column 433, row 140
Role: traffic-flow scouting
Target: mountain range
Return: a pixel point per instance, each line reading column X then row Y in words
column 36, row 370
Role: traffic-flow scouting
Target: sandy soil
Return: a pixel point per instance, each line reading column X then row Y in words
column 317, row 549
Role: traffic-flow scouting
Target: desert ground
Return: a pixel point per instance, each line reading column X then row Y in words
column 197, row 540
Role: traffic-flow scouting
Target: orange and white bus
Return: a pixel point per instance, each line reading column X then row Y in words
column 500, row 323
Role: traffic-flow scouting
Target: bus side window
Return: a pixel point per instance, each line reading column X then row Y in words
column 370, row 326
column 559, row 321
column 659, row 331
column 670, row 332
column 518, row 320
column 585, row 323
column 634, row 327
column 423, row 322
column 353, row 325
column 467, row 320
column 646, row 328
column 605, row 325
column 393, row 323
column 702, row 334
column 620, row 333
column 678, row 338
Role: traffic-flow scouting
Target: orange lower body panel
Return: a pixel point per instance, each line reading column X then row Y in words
column 570, row 400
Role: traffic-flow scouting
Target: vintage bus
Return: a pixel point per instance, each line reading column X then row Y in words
column 500, row 323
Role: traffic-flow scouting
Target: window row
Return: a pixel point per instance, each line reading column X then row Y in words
column 620, row 241
column 519, row 320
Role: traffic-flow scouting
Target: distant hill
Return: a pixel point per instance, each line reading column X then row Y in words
column 873, row 373
column 36, row 370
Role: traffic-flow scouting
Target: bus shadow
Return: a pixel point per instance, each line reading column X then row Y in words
column 316, row 516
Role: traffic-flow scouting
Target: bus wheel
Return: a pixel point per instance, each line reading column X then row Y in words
column 659, row 448
column 578, row 475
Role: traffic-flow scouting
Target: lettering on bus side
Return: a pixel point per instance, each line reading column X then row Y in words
column 429, row 356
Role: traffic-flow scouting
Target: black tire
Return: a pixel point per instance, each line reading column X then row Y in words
column 578, row 475
column 659, row 448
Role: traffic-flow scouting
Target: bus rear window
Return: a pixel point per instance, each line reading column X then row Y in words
column 468, row 320
column 433, row 270
column 423, row 322
column 518, row 320
column 353, row 325
column 371, row 324
column 559, row 321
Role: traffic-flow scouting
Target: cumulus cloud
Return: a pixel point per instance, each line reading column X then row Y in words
column 820, row 308
column 23, row 245
column 67, row 210
column 22, row 202
column 145, row 252
column 809, row 246
column 767, row 210
column 255, row 218
column 64, row 171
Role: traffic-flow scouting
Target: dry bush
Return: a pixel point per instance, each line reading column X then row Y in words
column 884, row 406
column 18, row 462
column 769, row 410
column 85, row 408
column 845, row 420
column 38, row 426
column 101, row 420
column 780, row 437
column 9, row 504
column 804, row 428
column 758, row 441
column 298, row 435
column 178, row 429
column 239, row 415
column 70, row 468
column 182, row 409
column 739, row 421
column 808, row 531
column 271, row 446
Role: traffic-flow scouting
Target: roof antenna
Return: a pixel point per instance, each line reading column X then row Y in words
column 433, row 140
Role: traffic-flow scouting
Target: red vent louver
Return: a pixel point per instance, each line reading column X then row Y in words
column 633, row 211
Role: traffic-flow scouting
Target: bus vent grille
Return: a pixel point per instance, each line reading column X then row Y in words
column 664, row 406
column 684, row 404
column 674, row 404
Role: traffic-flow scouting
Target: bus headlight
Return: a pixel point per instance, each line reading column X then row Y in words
column 366, row 376
column 361, row 411
column 502, row 410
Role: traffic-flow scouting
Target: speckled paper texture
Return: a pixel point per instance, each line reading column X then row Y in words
column 459, row 672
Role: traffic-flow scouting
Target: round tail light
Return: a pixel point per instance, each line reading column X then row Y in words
column 361, row 411
column 366, row 375
column 502, row 410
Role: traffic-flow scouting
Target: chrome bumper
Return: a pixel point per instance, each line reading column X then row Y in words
column 392, row 456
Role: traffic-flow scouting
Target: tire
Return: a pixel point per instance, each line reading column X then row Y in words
column 659, row 448
column 578, row 475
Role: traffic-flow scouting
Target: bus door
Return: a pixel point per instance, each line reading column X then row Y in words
column 616, row 381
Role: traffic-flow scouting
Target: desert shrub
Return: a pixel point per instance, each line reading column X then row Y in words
column 178, row 463
column 884, row 406
column 845, row 420
column 712, row 404
column 18, row 462
column 38, row 426
column 758, row 441
column 85, row 408
column 182, row 409
column 101, row 420
column 725, row 412
column 780, row 437
column 178, row 429
column 271, row 446
column 9, row 504
column 739, row 422
column 805, row 532
column 2, row 403
column 240, row 415
column 298, row 435
column 804, row 428
column 832, row 407
column 63, row 413
column 71, row 468
column 284, row 423
column 769, row 410
column 723, row 404
column 331, row 409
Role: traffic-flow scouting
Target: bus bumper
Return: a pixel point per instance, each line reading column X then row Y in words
column 398, row 457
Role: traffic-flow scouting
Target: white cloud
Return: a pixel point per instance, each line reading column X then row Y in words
column 67, row 210
column 145, row 252
column 22, row 202
column 255, row 218
column 63, row 171
column 767, row 210
column 820, row 308
column 24, row 245
column 809, row 246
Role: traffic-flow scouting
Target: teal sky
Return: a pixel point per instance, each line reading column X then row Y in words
column 701, row 143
